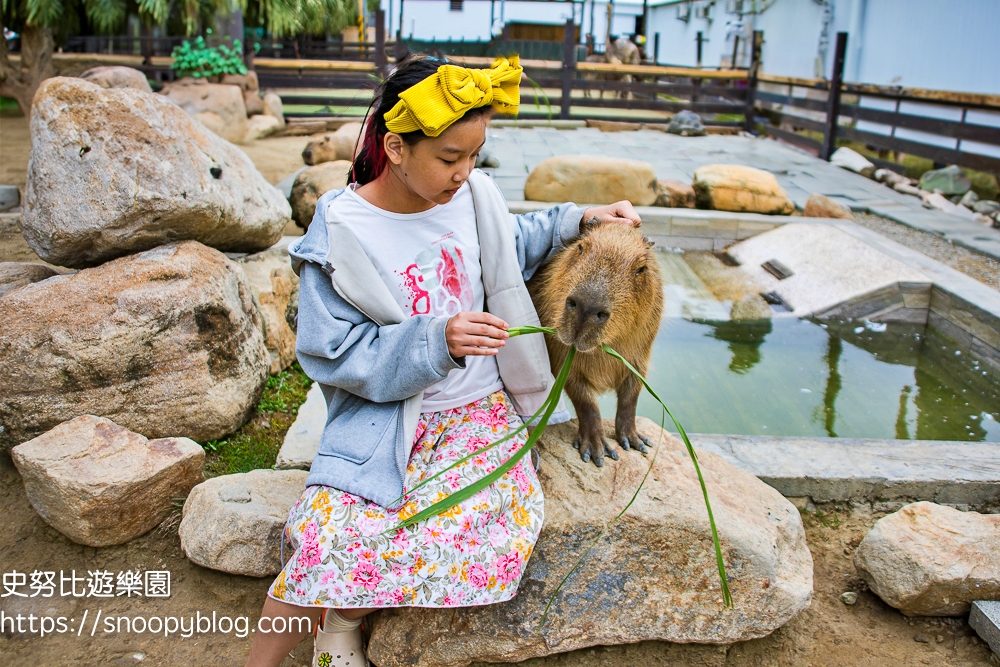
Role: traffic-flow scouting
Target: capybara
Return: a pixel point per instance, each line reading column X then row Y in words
column 337, row 145
column 603, row 289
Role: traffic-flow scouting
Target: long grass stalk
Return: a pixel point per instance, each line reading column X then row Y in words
column 726, row 597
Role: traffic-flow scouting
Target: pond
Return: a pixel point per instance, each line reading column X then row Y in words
column 794, row 377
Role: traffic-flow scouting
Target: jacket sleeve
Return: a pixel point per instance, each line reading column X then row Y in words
column 339, row 346
column 541, row 234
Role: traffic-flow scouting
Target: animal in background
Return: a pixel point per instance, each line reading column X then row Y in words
column 337, row 145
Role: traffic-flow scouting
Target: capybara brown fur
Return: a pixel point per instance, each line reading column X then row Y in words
column 339, row 145
column 605, row 288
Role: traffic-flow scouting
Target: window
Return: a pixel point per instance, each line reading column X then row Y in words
column 456, row 5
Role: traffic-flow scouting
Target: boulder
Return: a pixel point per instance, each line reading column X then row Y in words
column 261, row 126
column 235, row 523
column 219, row 107
column 938, row 201
column 931, row 560
column 119, row 171
column 163, row 342
column 100, row 484
column 302, row 438
column 674, row 194
column 275, row 290
column 273, row 108
column 591, row 179
column 686, row 124
column 248, row 82
column 19, row 274
column 254, row 102
column 116, row 76
column 311, row 184
column 730, row 187
column 845, row 158
column 821, row 206
column 337, row 145
column 950, row 181
column 653, row 577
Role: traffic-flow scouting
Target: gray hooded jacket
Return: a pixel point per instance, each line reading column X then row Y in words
column 373, row 362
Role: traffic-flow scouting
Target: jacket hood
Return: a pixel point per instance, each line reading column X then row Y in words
column 313, row 246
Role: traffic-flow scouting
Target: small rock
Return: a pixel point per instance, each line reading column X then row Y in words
column 969, row 200
column 932, row 560
column 908, row 189
column 941, row 203
column 254, row 102
column 939, row 639
column 849, row 598
column 261, row 126
column 235, row 523
column 590, row 179
column 116, row 76
column 119, row 171
column 891, row 178
column 921, row 638
column 275, row 289
column 686, row 124
column 100, row 484
column 10, row 197
column 728, row 187
column 311, row 184
column 219, row 107
column 821, row 206
column 986, row 206
column 19, row 274
column 247, row 82
column 950, row 181
column 273, row 107
column 337, row 145
column 163, row 342
column 845, row 158
column 303, row 437
column 674, row 194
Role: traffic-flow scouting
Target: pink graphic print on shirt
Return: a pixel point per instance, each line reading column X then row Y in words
column 438, row 282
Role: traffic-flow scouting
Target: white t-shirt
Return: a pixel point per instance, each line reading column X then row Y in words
column 430, row 261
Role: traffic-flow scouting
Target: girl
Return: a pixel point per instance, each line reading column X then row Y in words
column 397, row 273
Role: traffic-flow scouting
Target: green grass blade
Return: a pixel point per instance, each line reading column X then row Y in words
column 483, row 483
column 727, row 598
column 529, row 329
column 604, row 532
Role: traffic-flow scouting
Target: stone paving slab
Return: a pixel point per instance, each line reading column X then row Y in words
column 965, row 474
column 521, row 149
column 984, row 618
column 302, row 439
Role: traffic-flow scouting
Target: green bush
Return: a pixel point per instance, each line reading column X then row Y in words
column 198, row 60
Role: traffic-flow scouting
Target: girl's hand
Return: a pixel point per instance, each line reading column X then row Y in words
column 475, row 333
column 621, row 212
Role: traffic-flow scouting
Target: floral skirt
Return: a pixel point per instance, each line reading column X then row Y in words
column 472, row 554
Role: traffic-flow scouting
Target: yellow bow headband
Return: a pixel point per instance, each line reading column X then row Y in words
column 442, row 98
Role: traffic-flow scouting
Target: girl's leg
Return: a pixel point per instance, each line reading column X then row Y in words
column 270, row 648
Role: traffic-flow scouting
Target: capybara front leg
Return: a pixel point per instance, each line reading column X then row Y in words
column 625, row 432
column 590, row 440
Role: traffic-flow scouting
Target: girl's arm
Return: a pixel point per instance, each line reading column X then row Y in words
column 339, row 346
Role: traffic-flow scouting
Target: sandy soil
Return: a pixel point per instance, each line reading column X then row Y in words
column 868, row 634
column 15, row 145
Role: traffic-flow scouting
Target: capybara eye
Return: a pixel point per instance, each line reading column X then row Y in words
column 579, row 248
column 640, row 269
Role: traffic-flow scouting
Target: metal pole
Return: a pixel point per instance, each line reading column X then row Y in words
column 736, row 50
column 699, row 40
column 380, row 59
column 833, row 101
column 656, row 48
column 748, row 113
column 568, row 68
column 399, row 35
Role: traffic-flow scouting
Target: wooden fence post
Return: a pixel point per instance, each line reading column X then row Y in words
column 748, row 114
column 833, row 101
column 568, row 68
column 380, row 59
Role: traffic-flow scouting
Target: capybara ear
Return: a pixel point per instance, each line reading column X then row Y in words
column 648, row 241
column 636, row 224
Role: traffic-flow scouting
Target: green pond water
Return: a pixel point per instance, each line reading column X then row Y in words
column 798, row 377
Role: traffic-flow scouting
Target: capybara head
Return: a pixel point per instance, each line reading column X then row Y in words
column 602, row 287
column 320, row 150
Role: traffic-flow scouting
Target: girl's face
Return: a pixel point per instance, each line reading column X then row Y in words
column 435, row 168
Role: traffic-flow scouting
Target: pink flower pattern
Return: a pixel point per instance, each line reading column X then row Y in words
column 346, row 554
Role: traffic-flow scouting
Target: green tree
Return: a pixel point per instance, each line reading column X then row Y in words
column 42, row 23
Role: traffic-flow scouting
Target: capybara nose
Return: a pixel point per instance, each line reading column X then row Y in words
column 307, row 155
column 585, row 314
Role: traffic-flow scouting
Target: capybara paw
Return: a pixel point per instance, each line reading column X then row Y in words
column 634, row 441
column 594, row 448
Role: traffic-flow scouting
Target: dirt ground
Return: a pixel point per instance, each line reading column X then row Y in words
column 829, row 633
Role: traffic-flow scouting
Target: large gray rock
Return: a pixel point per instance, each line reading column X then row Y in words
column 234, row 523
column 116, row 76
column 302, row 438
column 118, row 171
column 652, row 578
column 100, row 484
column 592, row 179
column 219, row 107
column 275, row 290
column 950, row 181
column 165, row 342
column 19, row 274
column 931, row 560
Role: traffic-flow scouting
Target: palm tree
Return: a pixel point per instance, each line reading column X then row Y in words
column 41, row 22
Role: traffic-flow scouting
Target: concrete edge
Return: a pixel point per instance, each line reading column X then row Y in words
column 984, row 618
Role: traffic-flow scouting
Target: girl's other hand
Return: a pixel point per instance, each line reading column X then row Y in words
column 475, row 333
column 621, row 212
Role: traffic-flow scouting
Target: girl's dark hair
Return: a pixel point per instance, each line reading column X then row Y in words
column 371, row 160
